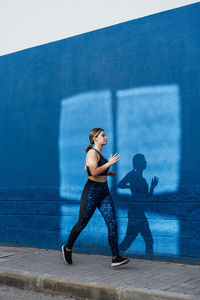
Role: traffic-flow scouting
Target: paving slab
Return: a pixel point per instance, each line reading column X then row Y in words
column 92, row 277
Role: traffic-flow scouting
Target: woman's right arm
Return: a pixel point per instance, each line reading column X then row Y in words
column 92, row 162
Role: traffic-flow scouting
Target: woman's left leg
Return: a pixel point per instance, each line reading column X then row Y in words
column 107, row 210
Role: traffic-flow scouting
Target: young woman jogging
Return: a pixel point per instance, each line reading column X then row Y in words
column 96, row 194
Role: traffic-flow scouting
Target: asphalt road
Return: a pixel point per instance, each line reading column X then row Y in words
column 11, row 293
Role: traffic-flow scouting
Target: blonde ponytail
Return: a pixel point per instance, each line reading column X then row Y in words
column 88, row 148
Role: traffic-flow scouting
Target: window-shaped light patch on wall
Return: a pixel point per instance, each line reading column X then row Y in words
column 149, row 123
column 79, row 114
column 155, row 233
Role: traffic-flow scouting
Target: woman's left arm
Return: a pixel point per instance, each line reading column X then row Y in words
column 111, row 173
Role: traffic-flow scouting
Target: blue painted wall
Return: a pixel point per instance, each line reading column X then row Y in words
column 140, row 81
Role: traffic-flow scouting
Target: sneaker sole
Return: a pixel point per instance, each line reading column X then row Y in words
column 63, row 253
column 120, row 263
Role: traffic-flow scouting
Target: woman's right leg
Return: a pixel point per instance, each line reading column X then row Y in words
column 88, row 204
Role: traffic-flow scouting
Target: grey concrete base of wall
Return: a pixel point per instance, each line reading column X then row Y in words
column 46, row 284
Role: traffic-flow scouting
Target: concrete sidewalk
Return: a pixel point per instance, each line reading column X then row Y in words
column 91, row 276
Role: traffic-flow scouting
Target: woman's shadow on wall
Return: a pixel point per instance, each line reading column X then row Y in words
column 137, row 220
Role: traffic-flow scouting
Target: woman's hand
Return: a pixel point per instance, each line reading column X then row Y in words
column 111, row 173
column 114, row 158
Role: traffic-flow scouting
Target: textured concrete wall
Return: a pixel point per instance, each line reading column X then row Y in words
column 140, row 81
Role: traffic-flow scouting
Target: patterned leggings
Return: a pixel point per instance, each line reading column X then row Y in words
column 96, row 194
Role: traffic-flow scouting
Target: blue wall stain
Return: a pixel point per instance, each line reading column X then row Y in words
column 158, row 51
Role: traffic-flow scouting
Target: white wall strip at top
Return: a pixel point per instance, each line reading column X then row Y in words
column 27, row 23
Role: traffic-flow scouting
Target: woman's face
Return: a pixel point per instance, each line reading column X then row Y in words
column 101, row 139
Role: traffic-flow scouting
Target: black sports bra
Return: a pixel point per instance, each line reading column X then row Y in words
column 101, row 162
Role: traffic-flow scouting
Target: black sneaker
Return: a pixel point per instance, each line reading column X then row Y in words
column 118, row 261
column 67, row 255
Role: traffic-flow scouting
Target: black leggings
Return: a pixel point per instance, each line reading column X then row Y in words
column 96, row 194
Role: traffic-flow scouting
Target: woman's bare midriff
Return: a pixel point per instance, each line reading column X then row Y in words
column 98, row 178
